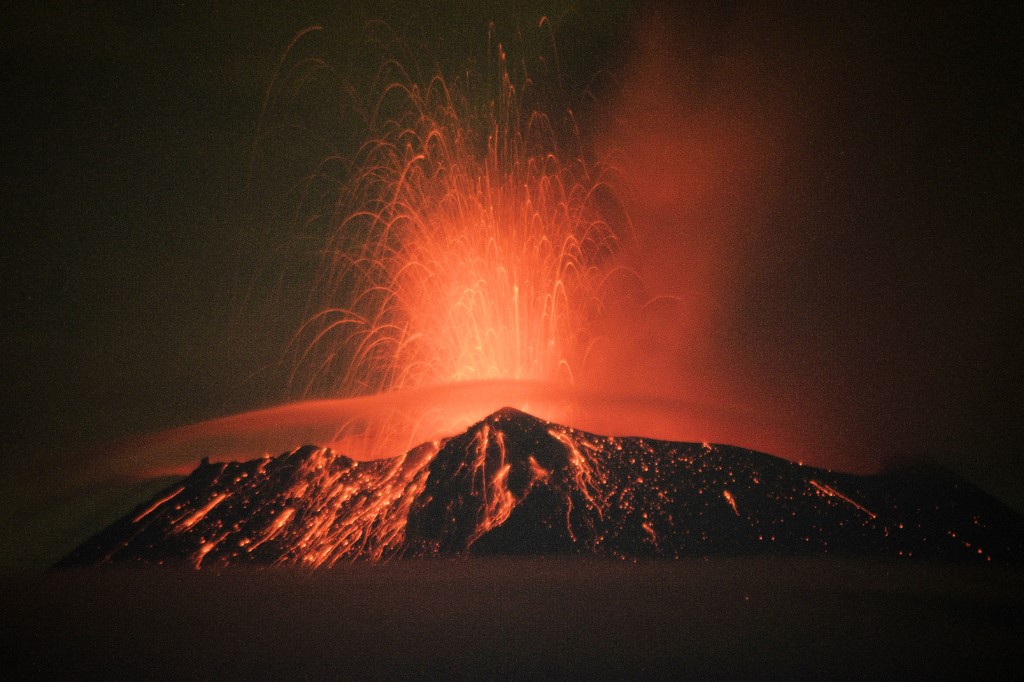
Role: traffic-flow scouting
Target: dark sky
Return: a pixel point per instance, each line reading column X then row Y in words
column 865, row 248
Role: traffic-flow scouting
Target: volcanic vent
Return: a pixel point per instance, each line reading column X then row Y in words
column 513, row 483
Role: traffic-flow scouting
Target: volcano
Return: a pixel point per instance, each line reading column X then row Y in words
column 513, row 484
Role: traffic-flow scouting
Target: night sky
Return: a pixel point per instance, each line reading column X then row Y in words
column 844, row 213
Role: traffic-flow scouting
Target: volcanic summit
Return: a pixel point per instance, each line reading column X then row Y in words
column 516, row 484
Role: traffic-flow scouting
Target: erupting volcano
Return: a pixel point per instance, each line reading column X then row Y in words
column 405, row 340
column 478, row 243
column 515, row 484
column 411, row 340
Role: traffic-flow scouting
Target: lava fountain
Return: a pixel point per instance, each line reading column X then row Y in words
column 472, row 244
column 474, row 256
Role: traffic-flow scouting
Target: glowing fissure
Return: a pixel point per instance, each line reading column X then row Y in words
column 197, row 516
column 493, row 489
column 731, row 500
column 832, row 492
column 158, row 502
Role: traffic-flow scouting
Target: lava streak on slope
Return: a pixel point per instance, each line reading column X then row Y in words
column 515, row 484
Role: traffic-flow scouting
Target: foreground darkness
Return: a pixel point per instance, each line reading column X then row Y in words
column 519, row 618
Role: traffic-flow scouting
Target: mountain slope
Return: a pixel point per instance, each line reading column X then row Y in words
column 516, row 484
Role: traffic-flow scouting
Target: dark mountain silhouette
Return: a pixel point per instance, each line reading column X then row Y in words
column 515, row 484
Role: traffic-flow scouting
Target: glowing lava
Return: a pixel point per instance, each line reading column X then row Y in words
column 513, row 483
column 472, row 244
